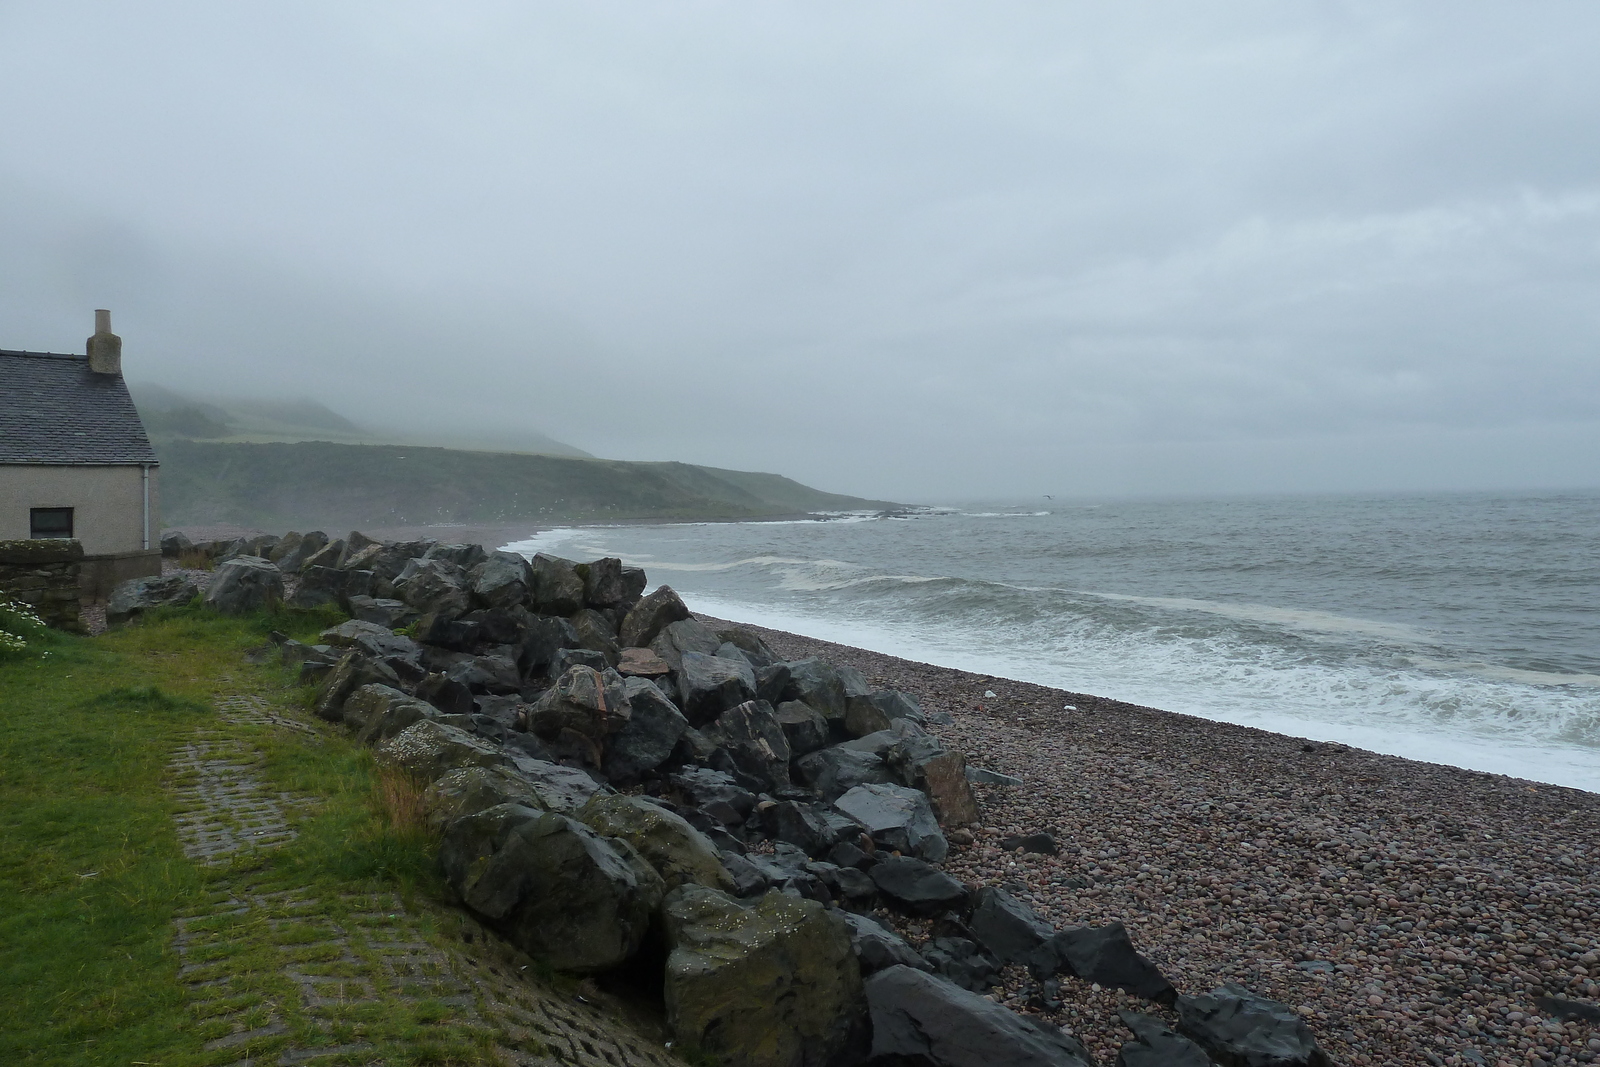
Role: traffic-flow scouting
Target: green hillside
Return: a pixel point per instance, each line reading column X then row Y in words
column 169, row 414
column 317, row 483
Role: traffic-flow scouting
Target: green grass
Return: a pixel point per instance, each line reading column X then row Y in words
column 92, row 875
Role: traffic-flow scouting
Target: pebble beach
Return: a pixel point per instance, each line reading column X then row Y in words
column 1413, row 913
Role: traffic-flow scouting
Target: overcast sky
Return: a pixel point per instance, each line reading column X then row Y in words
column 912, row 250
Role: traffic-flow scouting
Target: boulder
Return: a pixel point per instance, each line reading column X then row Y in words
column 326, row 556
column 434, row 587
column 833, row 772
column 446, row 694
column 817, row 683
column 354, row 543
column 354, row 670
column 750, row 738
column 175, row 543
column 870, row 712
column 711, row 685
column 291, row 556
column 769, row 985
column 771, row 682
column 1006, row 927
column 877, row 947
column 543, row 637
column 558, row 788
column 645, row 742
column 555, row 888
column 602, row 583
column 1103, row 954
column 750, row 643
column 1154, row 1045
column 797, row 824
column 134, row 597
column 920, row 1019
column 378, row 712
column 899, row 819
column 686, row 635
column 963, row 962
column 473, row 789
column 428, row 750
column 324, row 585
column 922, row 762
column 681, row 854
column 715, row 793
column 646, row 619
column 595, row 633
column 487, row 673
column 748, row 879
column 245, row 584
column 501, row 581
column 641, row 663
column 1240, row 1029
column 462, row 555
column 584, row 700
column 556, row 588
column 633, row 583
column 917, row 888
column 390, row 614
column 803, row 726
column 567, row 658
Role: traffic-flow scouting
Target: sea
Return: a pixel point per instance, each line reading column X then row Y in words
column 1461, row 629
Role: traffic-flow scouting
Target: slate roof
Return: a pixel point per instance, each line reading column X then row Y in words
column 55, row 410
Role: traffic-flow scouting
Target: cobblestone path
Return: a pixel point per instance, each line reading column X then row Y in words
column 276, row 975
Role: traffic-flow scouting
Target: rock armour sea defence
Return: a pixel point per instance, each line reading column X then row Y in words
column 621, row 788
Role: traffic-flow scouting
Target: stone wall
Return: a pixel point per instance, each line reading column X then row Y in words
column 45, row 576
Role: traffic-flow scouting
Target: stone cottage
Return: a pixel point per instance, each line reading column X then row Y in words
column 75, row 461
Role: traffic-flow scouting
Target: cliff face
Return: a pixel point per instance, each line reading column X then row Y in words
column 316, row 483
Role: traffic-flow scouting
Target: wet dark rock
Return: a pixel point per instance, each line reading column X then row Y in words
column 391, row 614
column 249, row 583
column 752, row 742
column 1240, row 1029
column 1041, row 844
column 555, row 888
column 687, row 635
column 803, row 726
column 589, row 702
column 595, row 633
column 771, row 683
column 1006, row 927
column 543, row 637
column 962, row 962
column 501, row 581
column 922, row 762
column 567, row 658
column 817, row 683
column 711, row 685
column 1103, row 954
column 796, row 823
column 464, row 556
column 602, row 583
column 898, row 818
column 920, row 1019
column 917, row 888
column 749, row 880
column 1154, row 1045
column 556, row 588
column 134, row 597
column 877, row 947
column 641, row 663
column 645, row 742
column 833, row 772
column 646, row 619
column 715, row 793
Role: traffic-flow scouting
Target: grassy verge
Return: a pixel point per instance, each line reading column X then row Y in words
column 93, row 876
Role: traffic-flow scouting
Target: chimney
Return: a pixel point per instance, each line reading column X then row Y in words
column 105, row 347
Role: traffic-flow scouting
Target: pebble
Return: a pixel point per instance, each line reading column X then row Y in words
column 1411, row 912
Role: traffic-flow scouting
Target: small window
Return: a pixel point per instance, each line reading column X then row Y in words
column 50, row 522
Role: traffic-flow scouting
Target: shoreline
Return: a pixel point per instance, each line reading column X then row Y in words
column 1432, row 904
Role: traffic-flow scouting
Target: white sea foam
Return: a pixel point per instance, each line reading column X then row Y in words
column 1297, row 618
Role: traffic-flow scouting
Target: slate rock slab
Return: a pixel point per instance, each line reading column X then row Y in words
column 1005, row 926
column 899, row 819
column 920, row 1019
column 917, row 888
column 1154, row 1045
column 1240, row 1029
column 1103, row 954
column 645, row 742
column 878, row 947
